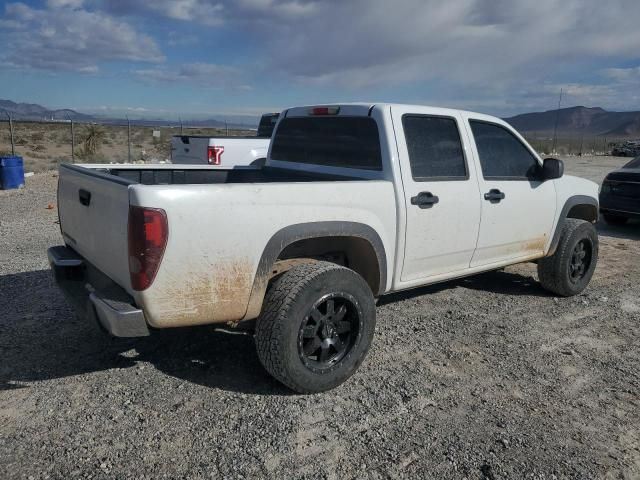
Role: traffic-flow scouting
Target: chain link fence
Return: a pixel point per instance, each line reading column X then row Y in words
column 44, row 145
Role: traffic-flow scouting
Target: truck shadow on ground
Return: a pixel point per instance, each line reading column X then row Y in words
column 499, row 281
column 42, row 339
column 629, row 231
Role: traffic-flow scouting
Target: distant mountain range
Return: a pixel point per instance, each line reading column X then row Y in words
column 571, row 121
column 35, row 112
column 579, row 121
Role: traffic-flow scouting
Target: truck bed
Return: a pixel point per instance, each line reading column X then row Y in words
column 206, row 276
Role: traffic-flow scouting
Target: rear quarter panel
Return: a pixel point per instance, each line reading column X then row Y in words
column 217, row 234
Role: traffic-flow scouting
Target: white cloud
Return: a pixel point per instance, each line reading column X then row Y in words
column 623, row 75
column 206, row 12
column 188, row 10
column 200, row 74
column 64, row 37
column 217, row 12
column 65, row 3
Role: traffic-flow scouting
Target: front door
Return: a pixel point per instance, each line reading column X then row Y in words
column 517, row 208
column 441, row 193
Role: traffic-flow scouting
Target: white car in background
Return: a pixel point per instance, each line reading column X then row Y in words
column 228, row 151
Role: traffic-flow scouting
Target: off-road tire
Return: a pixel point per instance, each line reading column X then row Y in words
column 554, row 272
column 286, row 307
column 615, row 219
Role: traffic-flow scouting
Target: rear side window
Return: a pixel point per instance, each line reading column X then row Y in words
column 502, row 155
column 350, row 142
column 435, row 149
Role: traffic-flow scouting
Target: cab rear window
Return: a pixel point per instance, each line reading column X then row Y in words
column 349, row 142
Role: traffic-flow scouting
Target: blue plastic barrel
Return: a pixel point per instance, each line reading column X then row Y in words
column 11, row 172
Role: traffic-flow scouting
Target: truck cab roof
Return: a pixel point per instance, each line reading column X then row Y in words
column 365, row 108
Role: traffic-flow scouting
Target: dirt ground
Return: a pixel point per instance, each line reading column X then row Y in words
column 488, row 377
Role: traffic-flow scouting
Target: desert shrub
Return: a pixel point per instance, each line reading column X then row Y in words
column 37, row 137
column 38, row 148
column 92, row 140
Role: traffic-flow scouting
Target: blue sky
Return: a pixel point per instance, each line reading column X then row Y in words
column 196, row 58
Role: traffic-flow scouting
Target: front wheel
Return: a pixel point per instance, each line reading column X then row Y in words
column 316, row 326
column 568, row 271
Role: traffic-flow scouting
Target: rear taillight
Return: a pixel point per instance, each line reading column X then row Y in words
column 214, row 155
column 148, row 234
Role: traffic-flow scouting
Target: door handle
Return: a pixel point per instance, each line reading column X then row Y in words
column 494, row 195
column 424, row 200
column 85, row 197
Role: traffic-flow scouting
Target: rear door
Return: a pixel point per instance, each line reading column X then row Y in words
column 517, row 209
column 441, row 192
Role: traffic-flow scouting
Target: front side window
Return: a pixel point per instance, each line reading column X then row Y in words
column 502, row 155
column 435, row 149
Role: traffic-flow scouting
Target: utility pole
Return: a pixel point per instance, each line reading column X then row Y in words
column 555, row 128
column 181, row 128
column 73, row 141
column 226, row 126
column 128, row 139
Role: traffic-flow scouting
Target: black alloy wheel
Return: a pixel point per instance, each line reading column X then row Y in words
column 580, row 260
column 329, row 331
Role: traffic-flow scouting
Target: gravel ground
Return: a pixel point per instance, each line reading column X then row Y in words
column 483, row 378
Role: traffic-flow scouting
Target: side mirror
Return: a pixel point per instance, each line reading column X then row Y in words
column 552, row 168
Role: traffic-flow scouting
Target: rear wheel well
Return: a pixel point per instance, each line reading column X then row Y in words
column 584, row 211
column 355, row 253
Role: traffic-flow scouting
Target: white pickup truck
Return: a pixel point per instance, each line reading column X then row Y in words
column 354, row 202
column 229, row 151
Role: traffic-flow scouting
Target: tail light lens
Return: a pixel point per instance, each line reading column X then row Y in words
column 214, row 155
column 148, row 234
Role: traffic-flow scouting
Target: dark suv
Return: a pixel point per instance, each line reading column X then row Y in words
column 620, row 194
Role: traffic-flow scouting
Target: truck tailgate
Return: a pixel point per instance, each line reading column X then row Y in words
column 189, row 150
column 94, row 214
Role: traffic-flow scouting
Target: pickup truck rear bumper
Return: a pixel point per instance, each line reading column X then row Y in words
column 108, row 304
